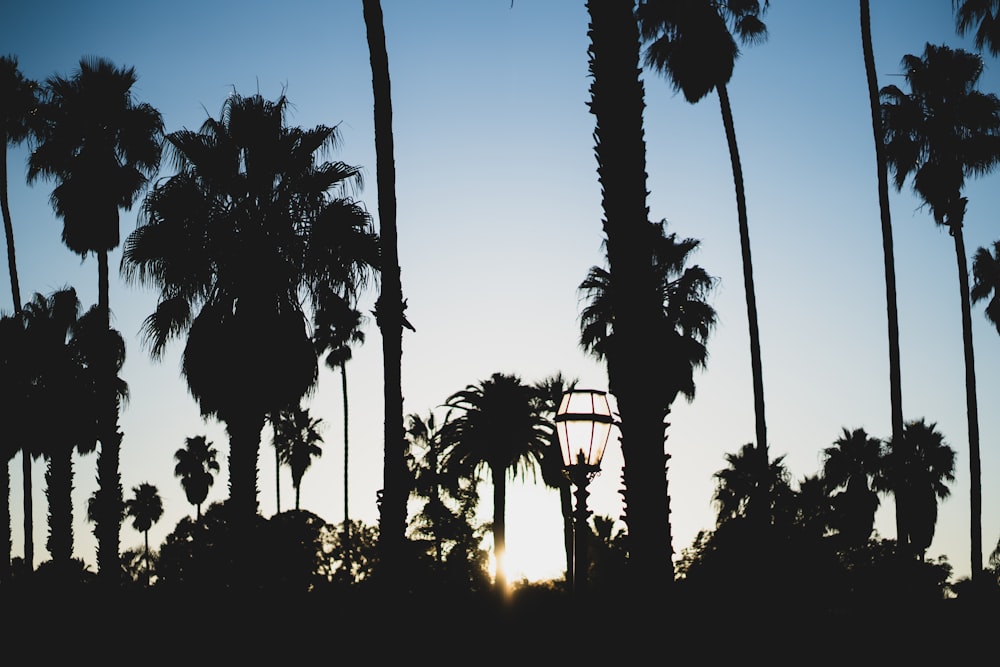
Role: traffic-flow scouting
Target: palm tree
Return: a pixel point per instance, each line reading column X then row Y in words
column 984, row 17
column 549, row 393
column 144, row 508
column 736, row 484
column 691, row 43
column 62, row 353
column 498, row 426
column 888, row 256
column 101, row 147
column 15, row 383
column 18, row 105
column 943, row 131
column 986, row 281
column 195, row 464
column 238, row 243
column 296, row 439
column 850, row 464
column 686, row 319
column 336, row 327
column 617, row 102
column 682, row 329
column 390, row 308
column 917, row 475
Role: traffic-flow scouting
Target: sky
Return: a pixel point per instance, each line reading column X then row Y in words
column 499, row 219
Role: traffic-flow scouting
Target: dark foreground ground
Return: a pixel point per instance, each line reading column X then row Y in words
column 534, row 628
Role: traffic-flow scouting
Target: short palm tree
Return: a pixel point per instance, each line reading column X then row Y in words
column 736, row 484
column 238, row 243
column 692, row 44
column 986, row 281
column 916, row 470
column 196, row 463
column 145, row 508
column 850, row 464
column 497, row 425
column 18, row 106
column 297, row 440
column 982, row 17
column 101, row 147
column 940, row 133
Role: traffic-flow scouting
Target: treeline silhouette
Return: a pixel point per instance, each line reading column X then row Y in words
column 260, row 253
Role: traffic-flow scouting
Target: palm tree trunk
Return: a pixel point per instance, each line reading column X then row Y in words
column 975, row 486
column 145, row 554
column 499, row 528
column 108, row 525
column 5, row 526
column 277, row 482
column 761, row 502
column 347, row 514
column 617, row 102
column 895, row 381
column 59, row 487
column 15, row 290
column 389, row 309
column 244, row 444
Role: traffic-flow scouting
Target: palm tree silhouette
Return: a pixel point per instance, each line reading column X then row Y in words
column 66, row 353
column 986, row 281
column 943, row 131
column 336, row 326
column 920, row 468
column 617, row 102
column 390, row 310
column 888, row 256
column 850, row 464
column 736, row 484
column 101, row 147
column 15, row 384
column 237, row 243
column 685, row 322
column 18, row 106
column 196, row 462
column 691, row 43
column 497, row 426
column 144, row 508
column 984, row 17
column 297, row 440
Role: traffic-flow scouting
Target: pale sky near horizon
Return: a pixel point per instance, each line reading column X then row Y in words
column 499, row 218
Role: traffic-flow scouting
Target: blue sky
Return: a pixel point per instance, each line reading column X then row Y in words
column 500, row 218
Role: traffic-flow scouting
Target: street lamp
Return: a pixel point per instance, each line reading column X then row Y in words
column 583, row 423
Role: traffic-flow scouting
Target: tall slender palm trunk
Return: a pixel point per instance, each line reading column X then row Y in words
column 347, row 513
column 760, row 506
column 955, row 222
column 892, row 318
column 389, row 310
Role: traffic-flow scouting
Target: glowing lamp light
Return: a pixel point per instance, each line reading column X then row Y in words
column 583, row 423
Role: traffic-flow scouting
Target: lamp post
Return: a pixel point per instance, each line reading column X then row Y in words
column 583, row 423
